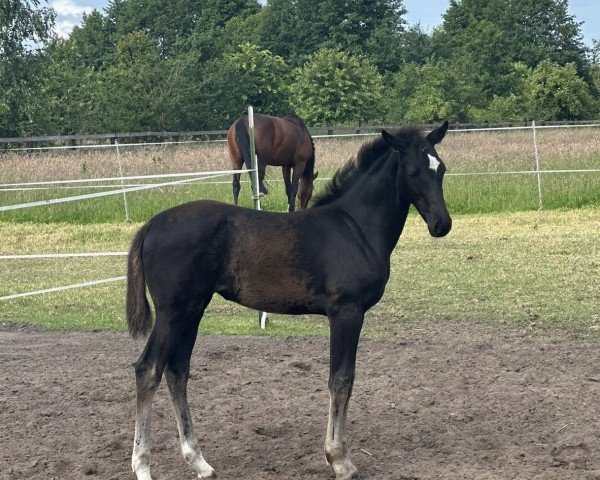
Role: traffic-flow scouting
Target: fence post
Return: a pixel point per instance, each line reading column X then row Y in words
column 262, row 316
column 127, row 219
column 537, row 167
column 253, row 160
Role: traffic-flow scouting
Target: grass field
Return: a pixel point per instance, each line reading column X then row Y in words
column 504, row 262
column 537, row 270
column 464, row 153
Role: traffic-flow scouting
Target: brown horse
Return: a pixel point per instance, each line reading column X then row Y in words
column 282, row 142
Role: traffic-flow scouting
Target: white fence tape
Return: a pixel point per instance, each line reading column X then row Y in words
column 104, row 145
column 74, row 198
column 60, row 289
column 35, row 256
column 118, row 179
column 84, row 183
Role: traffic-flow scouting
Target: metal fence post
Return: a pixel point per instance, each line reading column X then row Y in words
column 537, row 167
column 127, row 219
column 262, row 316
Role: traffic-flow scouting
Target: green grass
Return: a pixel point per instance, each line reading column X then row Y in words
column 535, row 270
column 464, row 195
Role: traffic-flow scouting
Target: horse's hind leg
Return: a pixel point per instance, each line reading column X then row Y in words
column 177, row 373
column 163, row 341
column 287, row 173
column 345, row 325
column 236, row 187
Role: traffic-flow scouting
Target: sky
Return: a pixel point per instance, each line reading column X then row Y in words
column 428, row 13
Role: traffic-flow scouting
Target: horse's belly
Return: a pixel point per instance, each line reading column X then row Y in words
column 287, row 294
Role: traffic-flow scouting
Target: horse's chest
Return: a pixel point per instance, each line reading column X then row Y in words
column 364, row 283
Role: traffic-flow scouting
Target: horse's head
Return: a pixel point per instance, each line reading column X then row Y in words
column 420, row 176
column 305, row 189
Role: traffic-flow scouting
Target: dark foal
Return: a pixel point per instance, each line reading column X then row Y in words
column 332, row 259
column 282, row 142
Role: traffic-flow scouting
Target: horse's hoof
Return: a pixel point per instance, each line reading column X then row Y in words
column 212, row 475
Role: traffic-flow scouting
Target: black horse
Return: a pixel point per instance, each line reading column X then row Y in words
column 332, row 259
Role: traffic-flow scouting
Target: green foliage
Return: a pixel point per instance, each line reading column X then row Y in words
column 263, row 78
column 553, row 91
column 147, row 65
column 435, row 92
column 92, row 41
column 23, row 24
column 489, row 36
column 295, row 29
column 337, row 88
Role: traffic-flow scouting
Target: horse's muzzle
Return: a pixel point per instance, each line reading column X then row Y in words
column 441, row 227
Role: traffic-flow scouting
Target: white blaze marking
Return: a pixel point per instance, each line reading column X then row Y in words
column 434, row 163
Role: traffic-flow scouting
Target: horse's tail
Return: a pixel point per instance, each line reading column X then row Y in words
column 309, row 169
column 139, row 316
column 242, row 138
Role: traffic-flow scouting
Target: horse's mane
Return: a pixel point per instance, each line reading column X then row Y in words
column 355, row 167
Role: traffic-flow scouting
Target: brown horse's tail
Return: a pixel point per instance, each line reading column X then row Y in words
column 139, row 316
column 242, row 138
column 309, row 169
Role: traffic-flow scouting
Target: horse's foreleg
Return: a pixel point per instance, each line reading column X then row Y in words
column 345, row 325
column 177, row 374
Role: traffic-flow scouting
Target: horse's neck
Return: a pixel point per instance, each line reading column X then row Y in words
column 373, row 205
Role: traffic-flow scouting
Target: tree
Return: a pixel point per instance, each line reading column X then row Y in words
column 179, row 25
column 334, row 87
column 492, row 35
column 92, row 41
column 555, row 92
column 228, row 84
column 25, row 28
column 435, row 92
column 143, row 91
column 262, row 79
column 294, row 29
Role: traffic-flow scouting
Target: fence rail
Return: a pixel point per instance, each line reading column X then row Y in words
column 80, row 140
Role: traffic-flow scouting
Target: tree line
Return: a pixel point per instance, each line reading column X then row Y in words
column 196, row 64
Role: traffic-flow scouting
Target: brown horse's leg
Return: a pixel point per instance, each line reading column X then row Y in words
column 236, row 187
column 163, row 341
column 287, row 173
column 345, row 325
column 297, row 172
column 262, row 170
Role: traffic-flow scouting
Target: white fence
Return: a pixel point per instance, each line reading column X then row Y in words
column 108, row 184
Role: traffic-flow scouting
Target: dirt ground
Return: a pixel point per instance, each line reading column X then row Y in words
column 446, row 402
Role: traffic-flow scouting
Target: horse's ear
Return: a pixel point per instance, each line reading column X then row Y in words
column 436, row 135
column 395, row 142
column 315, row 175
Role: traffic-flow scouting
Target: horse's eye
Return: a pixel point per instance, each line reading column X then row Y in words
column 414, row 173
